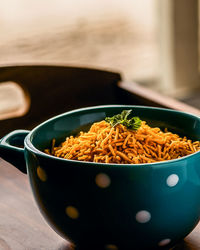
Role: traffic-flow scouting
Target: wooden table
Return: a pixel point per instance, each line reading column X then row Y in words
column 22, row 226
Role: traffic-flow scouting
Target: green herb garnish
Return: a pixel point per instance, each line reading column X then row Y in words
column 134, row 123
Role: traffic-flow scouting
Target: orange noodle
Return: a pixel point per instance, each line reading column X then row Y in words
column 106, row 144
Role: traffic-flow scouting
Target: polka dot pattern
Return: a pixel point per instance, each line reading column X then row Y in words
column 72, row 212
column 111, row 247
column 41, row 174
column 143, row 216
column 164, row 242
column 102, row 180
column 172, row 180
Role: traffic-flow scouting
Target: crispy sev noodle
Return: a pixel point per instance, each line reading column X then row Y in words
column 106, row 144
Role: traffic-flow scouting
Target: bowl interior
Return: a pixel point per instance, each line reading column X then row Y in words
column 71, row 123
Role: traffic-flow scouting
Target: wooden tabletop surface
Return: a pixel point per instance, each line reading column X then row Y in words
column 22, row 227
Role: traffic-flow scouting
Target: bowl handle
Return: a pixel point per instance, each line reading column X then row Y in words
column 12, row 149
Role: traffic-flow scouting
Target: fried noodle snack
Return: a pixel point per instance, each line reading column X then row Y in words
column 106, row 144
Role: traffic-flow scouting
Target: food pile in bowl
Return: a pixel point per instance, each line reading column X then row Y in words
column 115, row 178
column 121, row 140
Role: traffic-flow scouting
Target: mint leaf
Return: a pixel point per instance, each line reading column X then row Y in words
column 134, row 123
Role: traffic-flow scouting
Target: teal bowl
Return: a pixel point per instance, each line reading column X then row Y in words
column 111, row 206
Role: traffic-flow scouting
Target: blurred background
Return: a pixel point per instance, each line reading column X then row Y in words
column 154, row 43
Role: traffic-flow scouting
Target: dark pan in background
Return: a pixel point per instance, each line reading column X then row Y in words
column 51, row 90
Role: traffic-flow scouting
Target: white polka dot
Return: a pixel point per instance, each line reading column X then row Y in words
column 172, row 180
column 111, row 247
column 102, row 180
column 143, row 216
column 41, row 174
column 72, row 212
column 164, row 242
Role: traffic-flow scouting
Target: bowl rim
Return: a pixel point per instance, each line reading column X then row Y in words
column 29, row 145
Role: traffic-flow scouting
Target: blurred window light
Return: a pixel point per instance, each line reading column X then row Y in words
column 114, row 34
